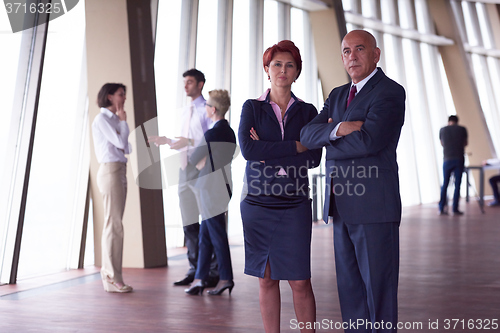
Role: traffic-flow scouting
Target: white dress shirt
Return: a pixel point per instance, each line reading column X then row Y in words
column 493, row 161
column 359, row 86
column 110, row 137
column 199, row 122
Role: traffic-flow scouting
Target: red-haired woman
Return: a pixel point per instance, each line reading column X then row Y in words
column 276, row 209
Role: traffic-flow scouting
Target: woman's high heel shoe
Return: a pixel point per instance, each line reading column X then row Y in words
column 197, row 289
column 228, row 285
column 112, row 287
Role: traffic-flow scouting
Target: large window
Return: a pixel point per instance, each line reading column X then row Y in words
column 270, row 36
column 44, row 145
column 305, row 87
column 206, row 44
column 485, row 60
column 239, row 94
column 9, row 65
column 59, row 172
column 169, row 115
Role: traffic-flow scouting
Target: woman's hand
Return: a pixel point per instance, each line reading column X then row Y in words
column 300, row 147
column 120, row 112
column 253, row 134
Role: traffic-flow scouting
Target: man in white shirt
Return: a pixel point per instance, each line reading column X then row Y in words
column 194, row 125
column 110, row 132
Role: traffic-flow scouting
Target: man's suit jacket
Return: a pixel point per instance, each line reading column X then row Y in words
column 361, row 167
column 275, row 151
column 213, row 186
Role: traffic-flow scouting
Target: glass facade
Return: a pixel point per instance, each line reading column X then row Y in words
column 44, row 145
column 478, row 39
column 59, row 168
column 44, row 169
column 9, row 67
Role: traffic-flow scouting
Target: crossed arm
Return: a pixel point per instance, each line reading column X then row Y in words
column 382, row 123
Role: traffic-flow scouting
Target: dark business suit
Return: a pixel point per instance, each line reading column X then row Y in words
column 276, row 210
column 213, row 192
column 366, row 208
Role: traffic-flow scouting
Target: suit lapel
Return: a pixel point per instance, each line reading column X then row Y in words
column 342, row 102
column 270, row 112
column 368, row 87
column 293, row 110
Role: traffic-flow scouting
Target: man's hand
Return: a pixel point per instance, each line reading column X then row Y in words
column 180, row 143
column 300, row 147
column 347, row 127
column 159, row 140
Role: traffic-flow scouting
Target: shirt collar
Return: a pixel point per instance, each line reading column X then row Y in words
column 108, row 113
column 213, row 124
column 362, row 83
column 265, row 97
column 199, row 101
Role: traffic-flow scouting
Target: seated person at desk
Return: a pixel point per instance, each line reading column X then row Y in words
column 494, row 182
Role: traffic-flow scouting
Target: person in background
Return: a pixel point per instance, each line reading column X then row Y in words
column 110, row 132
column 194, row 125
column 213, row 190
column 494, row 181
column 453, row 139
column 360, row 126
column 276, row 209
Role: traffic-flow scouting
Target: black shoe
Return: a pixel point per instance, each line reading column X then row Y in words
column 197, row 289
column 494, row 203
column 211, row 281
column 457, row 213
column 442, row 213
column 229, row 285
column 184, row 282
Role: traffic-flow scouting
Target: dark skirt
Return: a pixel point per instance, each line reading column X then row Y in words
column 278, row 230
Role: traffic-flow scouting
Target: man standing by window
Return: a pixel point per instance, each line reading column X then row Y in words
column 453, row 139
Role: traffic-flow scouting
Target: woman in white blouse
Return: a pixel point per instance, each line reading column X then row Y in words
column 110, row 132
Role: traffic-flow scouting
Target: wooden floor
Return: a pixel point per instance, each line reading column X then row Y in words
column 450, row 269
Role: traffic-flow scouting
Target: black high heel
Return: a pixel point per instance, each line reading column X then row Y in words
column 229, row 285
column 197, row 289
